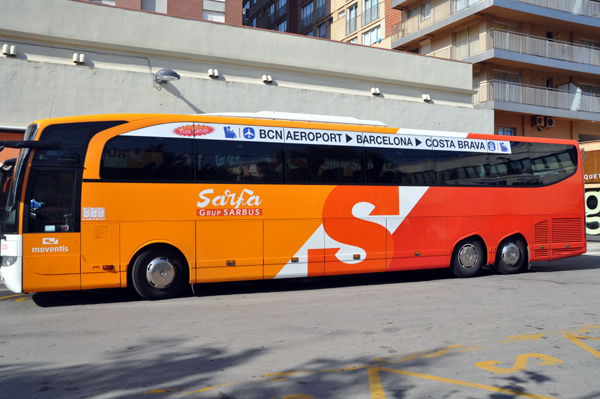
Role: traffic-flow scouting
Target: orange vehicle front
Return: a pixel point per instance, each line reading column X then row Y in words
column 159, row 201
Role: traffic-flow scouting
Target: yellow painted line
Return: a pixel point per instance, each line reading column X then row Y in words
column 11, row 296
column 377, row 391
column 517, row 338
column 577, row 340
column 520, row 363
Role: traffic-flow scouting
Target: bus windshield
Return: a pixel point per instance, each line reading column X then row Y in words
column 10, row 218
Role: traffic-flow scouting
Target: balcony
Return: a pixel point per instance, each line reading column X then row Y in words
column 370, row 15
column 351, row 25
column 281, row 11
column 496, row 39
column 536, row 96
column 321, row 10
column 306, row 21
column 443, row 9
column 586, row 7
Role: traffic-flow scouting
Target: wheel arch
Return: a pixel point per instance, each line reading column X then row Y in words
column 514, row 235
column 474, row 237
column 157, row 246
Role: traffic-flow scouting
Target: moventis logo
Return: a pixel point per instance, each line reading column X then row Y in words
column 49, row 241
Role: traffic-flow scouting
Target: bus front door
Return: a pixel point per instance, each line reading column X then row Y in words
column 51, row 238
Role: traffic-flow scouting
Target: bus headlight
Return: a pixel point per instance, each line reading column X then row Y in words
column 9, row 260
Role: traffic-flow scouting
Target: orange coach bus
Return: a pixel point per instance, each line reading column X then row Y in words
column 159, row 201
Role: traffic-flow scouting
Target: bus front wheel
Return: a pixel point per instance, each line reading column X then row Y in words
column 511, row 256
column 158, row 274
column 468, row 258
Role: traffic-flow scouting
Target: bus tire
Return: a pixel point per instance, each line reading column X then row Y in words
column 511, row 256
column 158, row 274
column 468, row 258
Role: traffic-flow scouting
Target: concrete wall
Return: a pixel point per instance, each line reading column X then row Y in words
column 124, row 48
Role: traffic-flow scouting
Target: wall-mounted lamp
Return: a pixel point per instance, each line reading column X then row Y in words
column 375, row 91
column 267, row 79
column 165, row 75
column 9, row 50
column 426, row 97
column 79, row 59
column 213, row 72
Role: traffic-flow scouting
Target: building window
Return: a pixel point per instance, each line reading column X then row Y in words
column 413, row 12
column 155, row 5
column 105, row 2
column 306, row 15
column 321, row 30
column 342, row 14
column 426, row 11
column 354, row 40
column 281, row 8
column 466, row 42
column 507, row 77
column 320, row 8
column 214, row 16
column 507, row 131
column 462, row 4
column 351, row 22
column 372, row 36
column 282, row 27
column 371, row 11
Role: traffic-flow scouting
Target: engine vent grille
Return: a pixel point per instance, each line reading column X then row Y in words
column 567, row 230
column 541, row 233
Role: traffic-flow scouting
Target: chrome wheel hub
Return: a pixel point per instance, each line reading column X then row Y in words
column 510, row 254
column 467, row 256
column 160, row 273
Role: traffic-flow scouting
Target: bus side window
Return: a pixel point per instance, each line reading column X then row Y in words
column 148, row 158
column 50, row 202
column 231, row 161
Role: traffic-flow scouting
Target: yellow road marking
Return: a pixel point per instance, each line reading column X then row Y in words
column 520, row 363
column 377, row 391
column 576, row 339
column 11, row 296
column 375, row 380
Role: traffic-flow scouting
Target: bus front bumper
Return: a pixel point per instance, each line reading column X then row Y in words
column 11, row 271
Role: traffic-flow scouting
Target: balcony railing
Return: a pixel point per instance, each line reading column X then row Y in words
column 371, row 14
column 307, row 20
column 580, row 7
column 496, row 90
column 442, row 9
column 321, row 11
column 519, row 43
column 281, row 11
column 351, row 25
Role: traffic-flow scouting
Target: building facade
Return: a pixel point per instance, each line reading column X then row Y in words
column 87, row 66
column 225, row 11
column 536, row 62
column 366, row 22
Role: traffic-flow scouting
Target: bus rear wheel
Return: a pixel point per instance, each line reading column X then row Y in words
column 158, row 274
column 511, row 256
column 468, row 258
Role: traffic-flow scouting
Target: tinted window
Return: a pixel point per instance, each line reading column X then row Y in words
column 513, row 169
column 50, row 199
column 74, row 139
column 324, row 164
column 148, row 158
column 552, row 163
column 232, row 161
column 400, row 166
column 458, row 168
